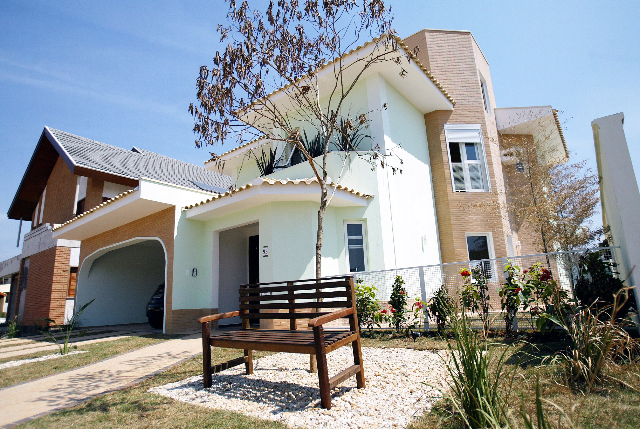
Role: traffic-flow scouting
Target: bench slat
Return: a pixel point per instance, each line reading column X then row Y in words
column 303, row 281
column 282, row 296
column 282, row 315
column 287, row 305
column 310, row 286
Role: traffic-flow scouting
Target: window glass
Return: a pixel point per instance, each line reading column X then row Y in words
column 458, row 177
column 454, row 150
column 80, row 207
column 478, row 246
column 472, row 154
column 475, row 176
column 355, row 247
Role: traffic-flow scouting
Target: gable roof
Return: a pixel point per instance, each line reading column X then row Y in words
column 86, row 157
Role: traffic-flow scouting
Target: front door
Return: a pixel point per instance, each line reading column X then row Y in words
column 254, row 259
column 254, row 267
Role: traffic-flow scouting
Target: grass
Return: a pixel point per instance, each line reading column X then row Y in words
column 96, row 352
column 136, row 408
column 611, row 405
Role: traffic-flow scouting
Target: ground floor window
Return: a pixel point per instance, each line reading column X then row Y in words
column 480, row 248
column 355, row 237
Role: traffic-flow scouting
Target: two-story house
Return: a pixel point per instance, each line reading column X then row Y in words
column 148, row 219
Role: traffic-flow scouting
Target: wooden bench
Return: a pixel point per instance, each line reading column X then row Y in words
column 304, row 299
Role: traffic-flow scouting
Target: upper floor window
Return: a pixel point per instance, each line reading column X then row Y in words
column 467, row 158
column 485, row 94
column 356, row 246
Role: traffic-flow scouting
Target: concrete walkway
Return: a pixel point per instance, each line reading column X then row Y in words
column 26, row 401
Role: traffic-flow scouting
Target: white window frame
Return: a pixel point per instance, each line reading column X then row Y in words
column 484, row 88
column 492, row 254
column 467, row 133
column 364, row 244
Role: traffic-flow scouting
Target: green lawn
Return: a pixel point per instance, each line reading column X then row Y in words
column 95, row 352
column 136, row 408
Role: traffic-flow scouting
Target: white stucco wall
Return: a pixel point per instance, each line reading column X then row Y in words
column 397, row 218
column 620, row 197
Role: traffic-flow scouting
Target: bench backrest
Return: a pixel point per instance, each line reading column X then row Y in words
column 301, row 299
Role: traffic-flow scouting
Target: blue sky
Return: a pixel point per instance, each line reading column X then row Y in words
column 123, row 72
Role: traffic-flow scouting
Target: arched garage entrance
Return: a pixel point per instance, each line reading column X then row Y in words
column 121, row 278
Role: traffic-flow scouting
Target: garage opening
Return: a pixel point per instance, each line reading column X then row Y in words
column 122, row 279
column 239, row 264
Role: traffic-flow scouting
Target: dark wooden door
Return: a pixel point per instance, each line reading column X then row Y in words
column 254, row 267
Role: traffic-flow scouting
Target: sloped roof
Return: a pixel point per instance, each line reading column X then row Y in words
column 136, row 163
column 262, row 180
column 86, row 157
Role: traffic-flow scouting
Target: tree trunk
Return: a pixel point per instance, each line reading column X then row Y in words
column 313, row 364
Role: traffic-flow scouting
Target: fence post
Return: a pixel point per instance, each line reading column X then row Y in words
column 423, row 297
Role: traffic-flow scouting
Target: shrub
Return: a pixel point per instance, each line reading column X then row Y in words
column 441, row 305
column 597, row 284
column 514, row 293
column 475, row 295
column 367, row 306
column 398, row 303
column 14, row 328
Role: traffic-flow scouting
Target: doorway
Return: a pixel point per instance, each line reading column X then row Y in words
column 239, row 264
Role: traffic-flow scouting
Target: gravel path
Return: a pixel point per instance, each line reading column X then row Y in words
column 401, row 383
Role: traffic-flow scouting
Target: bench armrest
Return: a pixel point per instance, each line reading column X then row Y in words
column 218, row 316
column 319, row 321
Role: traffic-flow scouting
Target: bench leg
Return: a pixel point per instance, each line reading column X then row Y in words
column 323, row 370
column 357, row 360
column 206, row 355
column 248, row 354
column 313, row 364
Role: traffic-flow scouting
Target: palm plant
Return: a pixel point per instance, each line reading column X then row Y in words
column 65, row 329
column 350, row 136
column 266, row 162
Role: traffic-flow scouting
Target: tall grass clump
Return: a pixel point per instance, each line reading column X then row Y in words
column 480, row 382
column 598, row 341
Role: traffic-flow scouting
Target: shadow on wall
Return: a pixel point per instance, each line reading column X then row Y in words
column 121, row 281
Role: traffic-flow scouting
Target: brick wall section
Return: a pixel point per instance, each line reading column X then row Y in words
column 47, row 284
column 454, row 60
column 94, row 193
column 187, row 319
column 160, row 225
column 61, row 194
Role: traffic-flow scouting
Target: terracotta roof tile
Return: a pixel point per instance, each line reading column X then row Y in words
column 274, row 182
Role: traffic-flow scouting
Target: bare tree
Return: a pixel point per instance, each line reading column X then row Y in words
column 291, row 67
column 557, row 199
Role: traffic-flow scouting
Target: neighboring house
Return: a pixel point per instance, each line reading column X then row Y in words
column 619, row 195
column 180, row 227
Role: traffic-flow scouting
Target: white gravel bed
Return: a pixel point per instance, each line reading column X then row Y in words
column 15, row 363
column 400, row 384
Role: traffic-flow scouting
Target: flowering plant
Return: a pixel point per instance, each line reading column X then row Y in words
column 398, row 302
column 366, row 305
column 475, row 294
